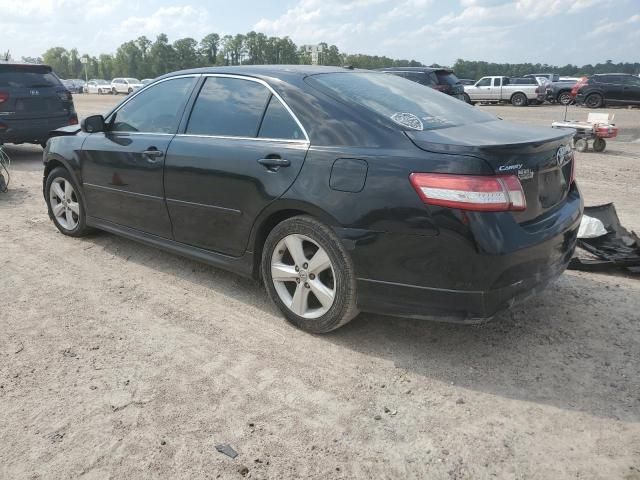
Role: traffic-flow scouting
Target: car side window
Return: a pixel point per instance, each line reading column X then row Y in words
column 154, row 110
column 630, row 80
column 485, row 82
column 496, row 82
column 278, row 123
column 229, row 107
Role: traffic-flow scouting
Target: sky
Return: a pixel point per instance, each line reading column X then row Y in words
column 556, row 32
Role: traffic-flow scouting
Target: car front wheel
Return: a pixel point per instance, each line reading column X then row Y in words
column 65, row 205
column 309, row 275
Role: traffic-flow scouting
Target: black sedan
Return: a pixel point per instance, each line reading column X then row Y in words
column 343, row 190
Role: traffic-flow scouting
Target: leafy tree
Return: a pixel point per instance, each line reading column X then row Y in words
column 209, row 47
column 187, row 56
column 163, row 56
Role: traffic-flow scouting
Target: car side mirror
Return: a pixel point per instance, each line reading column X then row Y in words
column 93, row 124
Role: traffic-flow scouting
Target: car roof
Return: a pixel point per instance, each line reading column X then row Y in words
column 278, row 71
column 603, row 74
column 415, row 69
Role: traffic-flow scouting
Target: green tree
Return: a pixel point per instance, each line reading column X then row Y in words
column 58, row 59
column 186, row 50
column 163, row 56
column 209, row 47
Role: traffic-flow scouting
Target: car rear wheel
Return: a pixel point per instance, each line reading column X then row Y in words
column 66, row 208
column 519, row 100
column 309, row 275
column 565, row 98
column 594, row 100
column 467, row 98
column 130, row 90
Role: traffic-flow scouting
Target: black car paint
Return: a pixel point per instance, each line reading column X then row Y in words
column 410, row 259
column 611, row 88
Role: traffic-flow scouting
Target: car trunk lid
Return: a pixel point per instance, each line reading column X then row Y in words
column 540, row 157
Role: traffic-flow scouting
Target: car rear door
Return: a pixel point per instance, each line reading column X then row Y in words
column 631, row 89
column 611, row 86
column 122, row 168
column 241, row 148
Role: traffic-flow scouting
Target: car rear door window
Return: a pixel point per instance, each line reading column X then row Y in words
column 496, row 82
column 278, row 123
column 155, row 110
column 229, row 107
column 28, row 76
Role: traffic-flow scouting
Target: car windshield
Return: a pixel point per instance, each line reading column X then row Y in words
column 447, row 78
column 19, row 76
column 132, row 80
column 102, row 82
column 407, row 103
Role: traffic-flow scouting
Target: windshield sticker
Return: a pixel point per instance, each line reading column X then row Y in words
column 408, row 120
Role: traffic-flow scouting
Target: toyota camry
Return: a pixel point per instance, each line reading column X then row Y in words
column 342, row 190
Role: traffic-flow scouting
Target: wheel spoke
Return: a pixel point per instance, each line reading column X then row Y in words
column 323, row 293
column 74, row 207
column 69, row 217
column 294, row 245
column 319, row 262
column 57, row 209
column 299, row 300
column 57, row 191
column 281, row 272
column 68, row 190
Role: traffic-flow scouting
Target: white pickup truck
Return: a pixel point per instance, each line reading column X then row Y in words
column 519, row 91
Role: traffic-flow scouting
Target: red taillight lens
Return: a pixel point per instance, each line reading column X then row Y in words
column 469, row 192
column 4, row 96
column 3, row 127
column 73, row 120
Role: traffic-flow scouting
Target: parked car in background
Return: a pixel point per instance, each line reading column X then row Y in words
column 79, row 83
column 144, row 81
column 552, row 77
column 72, row 86
column 98, row 86
column 441, row 79
column 520, row 92
column 560, row 92
column 276, row 172
column 608, row 89
column 125, row 85
column 33, row 101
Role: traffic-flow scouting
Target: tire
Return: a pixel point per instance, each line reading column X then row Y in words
column 114, row 91
column 467, row 98
column 519, row 100
column 334, row 280
column 599, row 144
column 129, row 92
column 565, row 98
column 594, row 100
column 581, row 145
column 71, row 222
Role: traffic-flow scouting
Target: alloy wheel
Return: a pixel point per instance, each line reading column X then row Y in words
column 64, row 203
column 303, row 276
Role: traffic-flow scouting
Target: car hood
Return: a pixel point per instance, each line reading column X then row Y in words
column 488, row 139
column 65, row 131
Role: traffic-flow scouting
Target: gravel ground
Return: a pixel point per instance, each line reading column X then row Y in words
column 121, row 361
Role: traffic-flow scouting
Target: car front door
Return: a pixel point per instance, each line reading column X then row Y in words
column 481, row 90
column 122, row 168
column 240, row 149
column 611, row 86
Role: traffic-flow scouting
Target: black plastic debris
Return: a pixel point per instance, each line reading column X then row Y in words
column 227, row 450
column 617, row 249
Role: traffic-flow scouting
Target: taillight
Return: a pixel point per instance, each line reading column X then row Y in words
column 3, row 127
column 4, row 96
column 470, row 192
column 65, row 96
column 579, row 84
column 73, row 119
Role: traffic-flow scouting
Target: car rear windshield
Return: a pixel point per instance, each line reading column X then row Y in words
column 28, row 76
column 446, row 78
column 409, row 104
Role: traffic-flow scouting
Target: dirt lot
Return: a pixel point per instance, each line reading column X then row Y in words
column 121, row 361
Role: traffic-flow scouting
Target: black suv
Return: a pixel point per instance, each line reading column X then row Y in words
column 440, row 79
column 608, row 89
column 33, row 102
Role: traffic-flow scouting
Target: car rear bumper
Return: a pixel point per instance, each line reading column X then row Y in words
column 453, row 277
column 31, row 130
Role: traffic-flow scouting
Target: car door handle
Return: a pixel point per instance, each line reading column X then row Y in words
column 153, row 154
column 273, row 164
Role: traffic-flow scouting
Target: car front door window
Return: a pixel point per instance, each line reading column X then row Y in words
column 154, row 110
